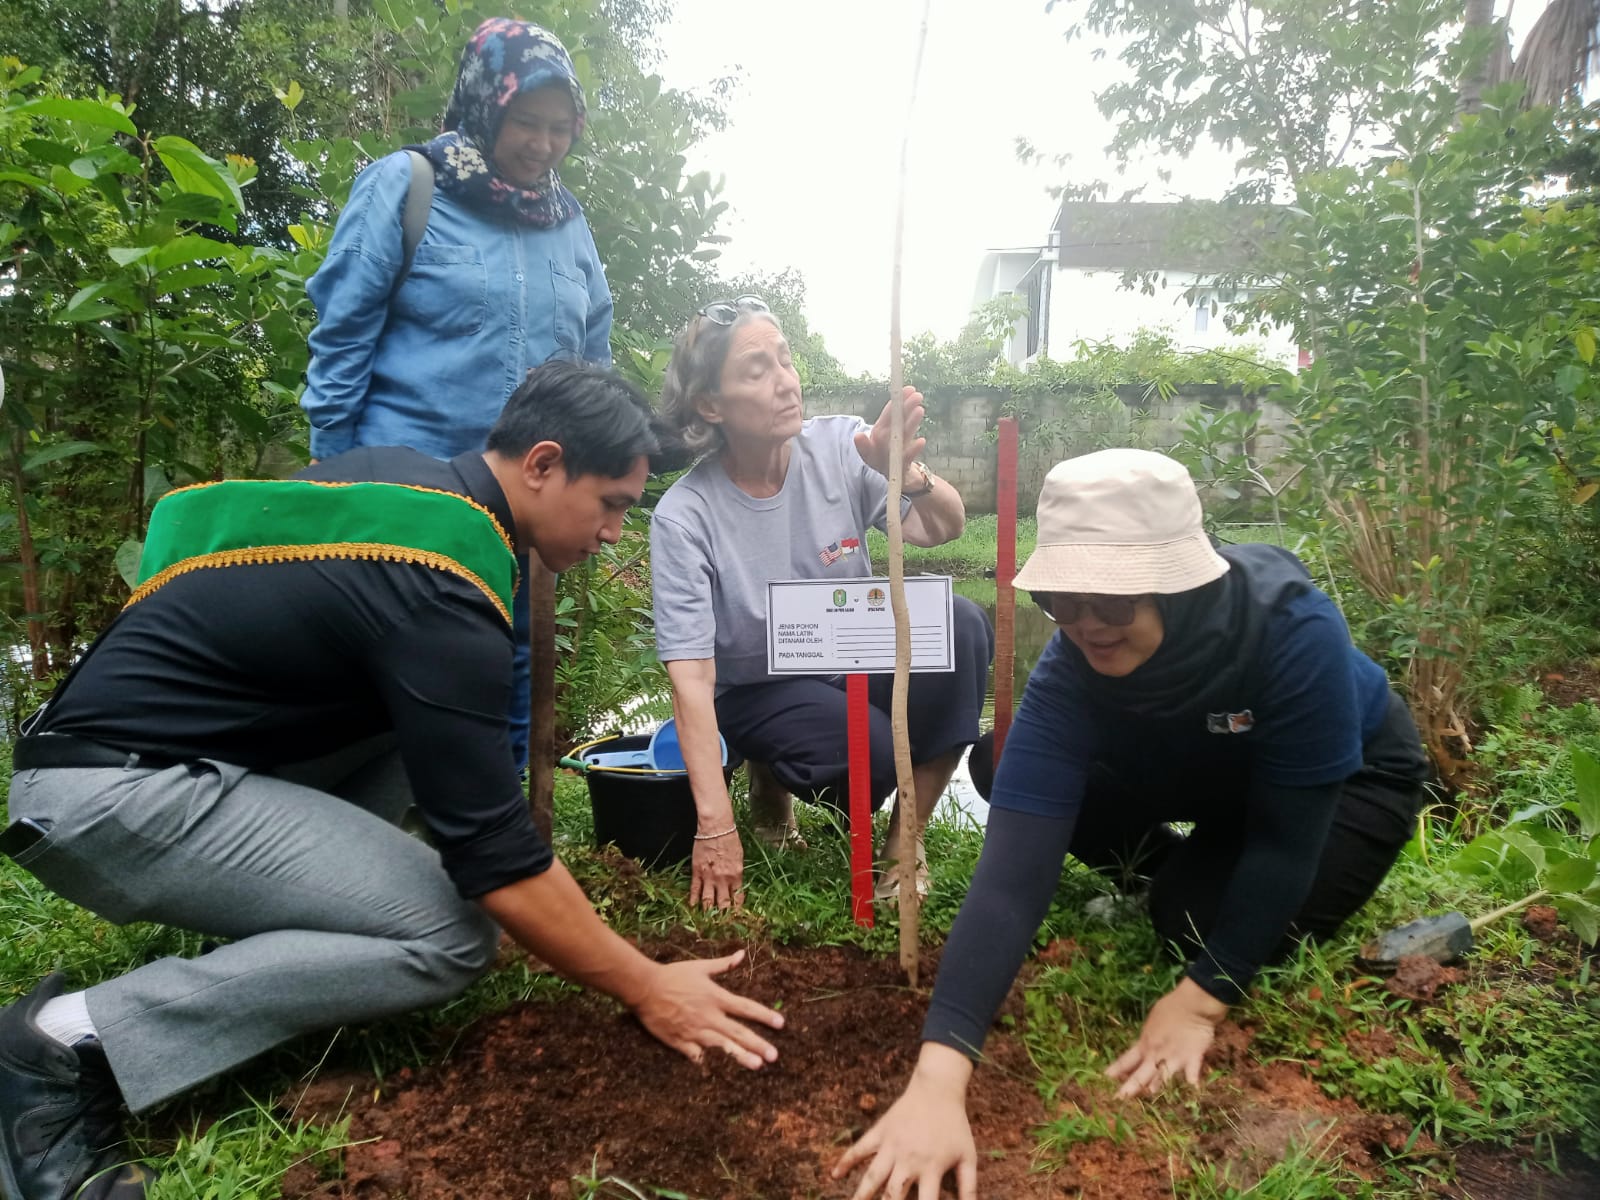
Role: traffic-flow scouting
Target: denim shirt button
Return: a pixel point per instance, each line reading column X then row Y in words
column 519, row 277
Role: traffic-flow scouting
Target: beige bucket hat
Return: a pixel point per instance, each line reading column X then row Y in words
column 1120, row 523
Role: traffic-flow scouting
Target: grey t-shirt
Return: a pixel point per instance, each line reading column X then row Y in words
column 713, row 547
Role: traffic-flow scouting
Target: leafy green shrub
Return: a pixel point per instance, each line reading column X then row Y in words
column 607, row 673
column 1525, row 750
column 1549, row 850
column 140, row 343
column 1450, row 320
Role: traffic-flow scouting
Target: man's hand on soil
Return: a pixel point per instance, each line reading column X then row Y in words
column 685, row 1008
column 718, row 872
column 1174, row 1041
column 924, row 1134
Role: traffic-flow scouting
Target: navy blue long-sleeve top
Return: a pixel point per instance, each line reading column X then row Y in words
column 1314, row 700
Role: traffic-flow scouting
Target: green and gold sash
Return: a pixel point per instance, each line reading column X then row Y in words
column 243, row 521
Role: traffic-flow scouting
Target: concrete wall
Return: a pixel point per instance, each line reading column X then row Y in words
column 961, row 429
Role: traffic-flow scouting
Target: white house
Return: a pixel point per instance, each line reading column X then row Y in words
column 1074, row 290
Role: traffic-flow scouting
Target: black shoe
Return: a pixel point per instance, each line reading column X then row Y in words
column 60, row 1128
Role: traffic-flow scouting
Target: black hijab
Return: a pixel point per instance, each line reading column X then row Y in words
column 1211, row 641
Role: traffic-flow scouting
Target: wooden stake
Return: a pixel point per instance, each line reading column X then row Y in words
column 906, row 798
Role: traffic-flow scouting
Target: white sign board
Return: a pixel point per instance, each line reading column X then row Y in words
column 833, row 626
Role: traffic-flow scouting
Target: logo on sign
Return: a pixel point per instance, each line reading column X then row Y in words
column 839, row 597
column 875, row 598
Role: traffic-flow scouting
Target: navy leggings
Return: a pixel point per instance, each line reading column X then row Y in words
column 797, row 726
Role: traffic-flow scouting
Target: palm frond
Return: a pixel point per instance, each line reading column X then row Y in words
column 1560, row 53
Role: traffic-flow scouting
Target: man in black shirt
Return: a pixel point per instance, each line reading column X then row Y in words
column 301, row 662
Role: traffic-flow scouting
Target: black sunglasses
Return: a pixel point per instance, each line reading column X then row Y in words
column 1066, row 607
column 726, row 312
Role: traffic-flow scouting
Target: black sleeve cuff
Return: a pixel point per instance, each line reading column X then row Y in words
column 499, row 855
column 1230, row 988
column 958, row 1028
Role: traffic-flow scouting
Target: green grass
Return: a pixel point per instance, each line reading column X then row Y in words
column 789, row 898
column 1525, row 749
column 968, row 557
column 1509, row 1056
column 245, row 1155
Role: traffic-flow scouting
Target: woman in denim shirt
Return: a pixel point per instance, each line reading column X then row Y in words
column 506, row 276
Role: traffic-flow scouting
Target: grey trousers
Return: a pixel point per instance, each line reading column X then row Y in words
column 337, row 915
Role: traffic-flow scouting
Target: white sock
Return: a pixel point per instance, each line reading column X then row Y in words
column 66, row 1019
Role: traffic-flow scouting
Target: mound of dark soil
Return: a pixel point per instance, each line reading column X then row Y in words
column 547, row 1092
column 556, row 1098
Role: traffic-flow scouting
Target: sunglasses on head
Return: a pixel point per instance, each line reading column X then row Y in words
column 726, row 312
column 1066, row 607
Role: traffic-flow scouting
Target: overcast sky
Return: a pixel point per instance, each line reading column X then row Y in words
column 812, row 151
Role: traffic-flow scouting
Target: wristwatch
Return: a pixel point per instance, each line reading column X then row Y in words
column 928, row 480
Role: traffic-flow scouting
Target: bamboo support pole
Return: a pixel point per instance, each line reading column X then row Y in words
column 906, row 798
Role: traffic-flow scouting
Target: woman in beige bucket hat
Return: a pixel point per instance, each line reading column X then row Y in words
column 1186, row 683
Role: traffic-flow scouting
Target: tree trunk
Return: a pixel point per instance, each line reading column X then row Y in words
column 38, row 641
column 1479, row 16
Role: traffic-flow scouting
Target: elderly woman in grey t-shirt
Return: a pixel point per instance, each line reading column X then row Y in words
column 781, row 497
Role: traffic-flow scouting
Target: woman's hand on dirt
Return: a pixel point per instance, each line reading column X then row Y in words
column 717, row 879
column 688, row 1010
column 873, row 444
column 1176, row 1035
column 924, row 1134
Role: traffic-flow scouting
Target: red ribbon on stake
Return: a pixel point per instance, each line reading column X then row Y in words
column 859, row 730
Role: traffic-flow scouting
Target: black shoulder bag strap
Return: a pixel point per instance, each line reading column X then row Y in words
column 414, row 216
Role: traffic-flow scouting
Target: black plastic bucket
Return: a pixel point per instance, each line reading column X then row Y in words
column 648, row 815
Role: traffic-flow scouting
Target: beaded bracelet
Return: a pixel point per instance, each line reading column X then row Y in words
column 711, row 837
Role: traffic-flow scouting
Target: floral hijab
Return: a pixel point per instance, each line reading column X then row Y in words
column 504, row 58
